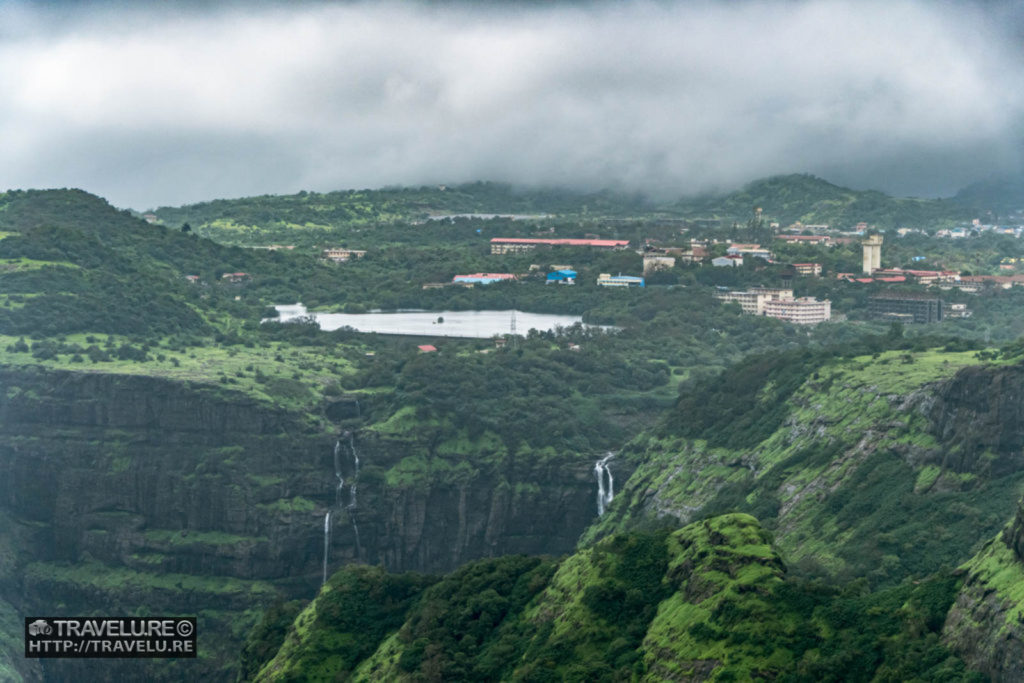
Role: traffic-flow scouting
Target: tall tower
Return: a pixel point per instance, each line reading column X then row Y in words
column 872, row 253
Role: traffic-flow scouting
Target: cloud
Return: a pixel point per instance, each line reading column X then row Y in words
column 153, row 106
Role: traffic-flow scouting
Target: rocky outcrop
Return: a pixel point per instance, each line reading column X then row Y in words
column 986, row 623
column 979, row 416
column 147, row 478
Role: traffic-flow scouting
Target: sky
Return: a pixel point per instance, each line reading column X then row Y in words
column 157, row 104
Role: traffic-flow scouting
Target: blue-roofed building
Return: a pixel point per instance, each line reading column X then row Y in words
column 562, row 277
column 606, row 280
column 482, row 278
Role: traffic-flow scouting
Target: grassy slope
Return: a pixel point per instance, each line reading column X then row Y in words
column 708, row 601
column 849, row 481
column 986, row 624
column 287, row 376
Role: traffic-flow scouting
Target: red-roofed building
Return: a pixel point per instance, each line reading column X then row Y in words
column 922, row 277
column 511, row 245
column 427, row 348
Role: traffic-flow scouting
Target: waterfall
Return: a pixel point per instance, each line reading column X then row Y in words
column 337, row 473
column 355, row 455
column 355, row 528
column 338, row 491
column 355, row 476
column 605, row 484
column 327, row 543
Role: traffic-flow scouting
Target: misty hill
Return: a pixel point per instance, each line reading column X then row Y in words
column 999, row 196
column 403, row 203
column 302, row 217
column 812, row 200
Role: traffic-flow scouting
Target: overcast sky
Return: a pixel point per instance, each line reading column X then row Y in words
column 170, row 105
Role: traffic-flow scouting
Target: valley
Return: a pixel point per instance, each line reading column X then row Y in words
column 671, row 489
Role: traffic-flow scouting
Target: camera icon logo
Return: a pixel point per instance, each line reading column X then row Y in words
column 40, row 627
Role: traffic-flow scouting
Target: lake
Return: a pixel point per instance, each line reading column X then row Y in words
column 476, row 324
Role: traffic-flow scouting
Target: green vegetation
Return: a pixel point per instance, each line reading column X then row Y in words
column 811, row 200
column 833, row 454
column 825, row 434
column 711, row 601
column 95, row 576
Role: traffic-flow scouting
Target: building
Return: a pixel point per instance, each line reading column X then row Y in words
column 653, row 262
column 514, row 245
column 806, row 239
column 482, row 278
column 192, row 279
column 906, row 307
column 234, row 277
column 755, row 250
column 813, row 269
column 921, row 277
column 956, row 311
column 872, row 254
column 779, row 303
column 803, row 311
column 753, row 301
column 427, row 348
column 727, row 261
column 1003, row 281
column 697, row 252
column 606, row 280
column 343, row 255
column 562, row 277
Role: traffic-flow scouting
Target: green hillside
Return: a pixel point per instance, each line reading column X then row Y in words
column 811, row 200
column 710, row 601
column 359, row 218
column 879, row 466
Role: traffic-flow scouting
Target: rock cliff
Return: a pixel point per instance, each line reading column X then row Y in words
column 126, row 493
column 985, row 626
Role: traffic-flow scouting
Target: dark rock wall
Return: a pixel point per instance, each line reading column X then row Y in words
column 159, row 477
column 980, row 414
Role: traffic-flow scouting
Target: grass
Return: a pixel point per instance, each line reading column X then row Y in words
column 998, row 569
column 293, row 377
column 286, row 505
column 13, row 265
column 219, row 538
column 98, row 576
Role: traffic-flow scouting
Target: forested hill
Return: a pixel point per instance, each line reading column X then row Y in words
column 998, row 196
column 402, row 204
column 811, row 200
column 785, row 199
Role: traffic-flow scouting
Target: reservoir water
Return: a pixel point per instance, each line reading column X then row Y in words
column 477, row 324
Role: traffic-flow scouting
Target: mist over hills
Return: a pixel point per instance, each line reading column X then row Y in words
column 786, row 198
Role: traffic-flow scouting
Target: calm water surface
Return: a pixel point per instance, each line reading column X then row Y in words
column 478, row 324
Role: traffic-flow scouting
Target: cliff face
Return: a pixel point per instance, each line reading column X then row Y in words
column 872, row 456
column 979, row 416
column 980, row 413
column 985, row 626
column 138, row 493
